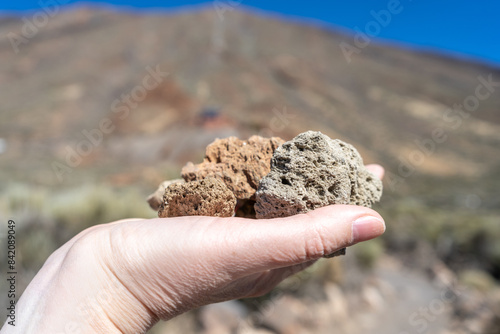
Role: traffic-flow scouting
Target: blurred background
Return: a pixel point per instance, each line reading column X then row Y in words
column 100, row 102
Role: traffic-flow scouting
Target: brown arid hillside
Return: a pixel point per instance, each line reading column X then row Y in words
column 259, row 75
column 122, row 101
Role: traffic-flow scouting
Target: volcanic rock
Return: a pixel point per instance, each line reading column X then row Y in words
column 241, row 164
column 313, row 171
column 207, row 197
column 156, row 198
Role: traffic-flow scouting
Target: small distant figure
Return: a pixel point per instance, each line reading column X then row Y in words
column 212, row 118
column 209, row 113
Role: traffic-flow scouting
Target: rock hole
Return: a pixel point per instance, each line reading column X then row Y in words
column 286, row 181
column 331, row 189
column 282, row 162
column 300, row 146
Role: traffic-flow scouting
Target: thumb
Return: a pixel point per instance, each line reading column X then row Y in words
column 173, row 264
column 275, row 243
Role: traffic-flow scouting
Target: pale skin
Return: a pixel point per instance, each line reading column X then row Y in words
column 125, row 276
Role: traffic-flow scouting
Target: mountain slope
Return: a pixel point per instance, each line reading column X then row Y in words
column 261, row 75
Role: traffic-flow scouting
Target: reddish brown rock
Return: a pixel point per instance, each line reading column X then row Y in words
column 241, row 164
column 156, row 198
column 207, row 197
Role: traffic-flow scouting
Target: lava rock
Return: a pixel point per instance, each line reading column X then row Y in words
column 156, row 198
column 312, row 171
column 241, row 164
column 207, row 197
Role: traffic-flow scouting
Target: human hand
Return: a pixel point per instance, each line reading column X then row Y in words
column 124, row 276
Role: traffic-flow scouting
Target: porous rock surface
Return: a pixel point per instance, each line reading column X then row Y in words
column 312, row 171
column 241, row 164
column 156, row 198
column 207, row 197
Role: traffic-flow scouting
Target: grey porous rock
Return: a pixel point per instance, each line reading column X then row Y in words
column 312, row 171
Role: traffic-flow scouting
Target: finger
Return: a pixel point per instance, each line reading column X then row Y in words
column 208, row 252
column 377, row 170
column 257, row 245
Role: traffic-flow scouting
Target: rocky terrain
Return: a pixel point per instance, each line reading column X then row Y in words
column 99, row 105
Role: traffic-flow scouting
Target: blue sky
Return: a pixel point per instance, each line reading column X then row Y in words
column 464, row 28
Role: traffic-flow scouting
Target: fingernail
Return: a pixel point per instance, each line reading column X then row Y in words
column 366, row 228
